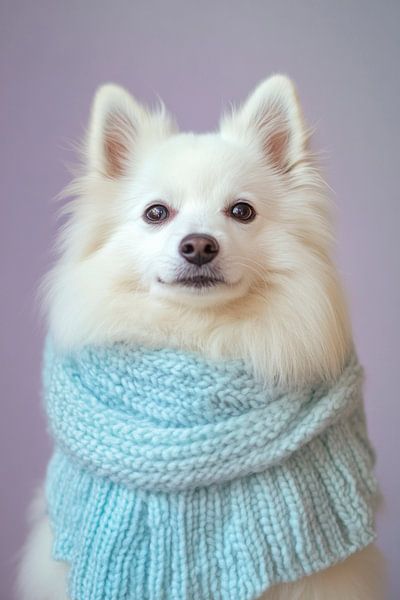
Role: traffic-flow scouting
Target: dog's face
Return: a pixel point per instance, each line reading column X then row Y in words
column 198, row 219
column 194, row 227
column 217, row 241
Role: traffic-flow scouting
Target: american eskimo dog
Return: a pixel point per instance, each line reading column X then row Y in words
column 218, row 243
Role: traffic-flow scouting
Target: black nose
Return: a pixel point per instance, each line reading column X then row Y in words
column 198, row 248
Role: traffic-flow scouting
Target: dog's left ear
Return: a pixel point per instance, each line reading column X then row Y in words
column 272, row 120
column 120, row 127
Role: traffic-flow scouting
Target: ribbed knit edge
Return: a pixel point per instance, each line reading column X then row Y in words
column 233, row 540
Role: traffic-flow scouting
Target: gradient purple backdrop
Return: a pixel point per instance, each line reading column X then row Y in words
column 197, row 56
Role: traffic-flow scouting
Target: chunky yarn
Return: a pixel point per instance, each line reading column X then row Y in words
column 178, row 478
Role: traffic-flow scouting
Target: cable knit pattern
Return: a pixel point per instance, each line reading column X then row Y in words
column 178, row 478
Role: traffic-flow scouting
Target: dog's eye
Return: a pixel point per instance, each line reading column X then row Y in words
column 242, row 211
column 156, row 213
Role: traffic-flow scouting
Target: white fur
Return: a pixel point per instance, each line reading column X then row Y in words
column 281, row 307
column 40, row 577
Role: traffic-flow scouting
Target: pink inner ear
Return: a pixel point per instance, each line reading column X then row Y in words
column 117, row 141
column 114, row 151
column 271, row 121
column 276, row 147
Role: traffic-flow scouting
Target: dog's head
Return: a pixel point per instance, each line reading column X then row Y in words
column 205, row 240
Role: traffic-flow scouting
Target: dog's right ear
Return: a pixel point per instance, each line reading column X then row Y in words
column 118, row 125
column 271, row 119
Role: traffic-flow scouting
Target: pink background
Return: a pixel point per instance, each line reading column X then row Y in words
column 197, row 56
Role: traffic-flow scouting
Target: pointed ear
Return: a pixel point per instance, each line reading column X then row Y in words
column 271, row 118
column 118, row 125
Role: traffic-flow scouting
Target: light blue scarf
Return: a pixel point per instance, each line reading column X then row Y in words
column 178, row 478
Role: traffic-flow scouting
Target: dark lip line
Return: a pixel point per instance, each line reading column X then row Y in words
column 198, row 281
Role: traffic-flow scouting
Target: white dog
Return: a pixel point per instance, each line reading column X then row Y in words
column 218, row 243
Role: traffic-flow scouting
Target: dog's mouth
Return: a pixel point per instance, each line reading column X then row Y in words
column 196, row 281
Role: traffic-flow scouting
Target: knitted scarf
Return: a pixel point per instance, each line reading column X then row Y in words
column 178, row 478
